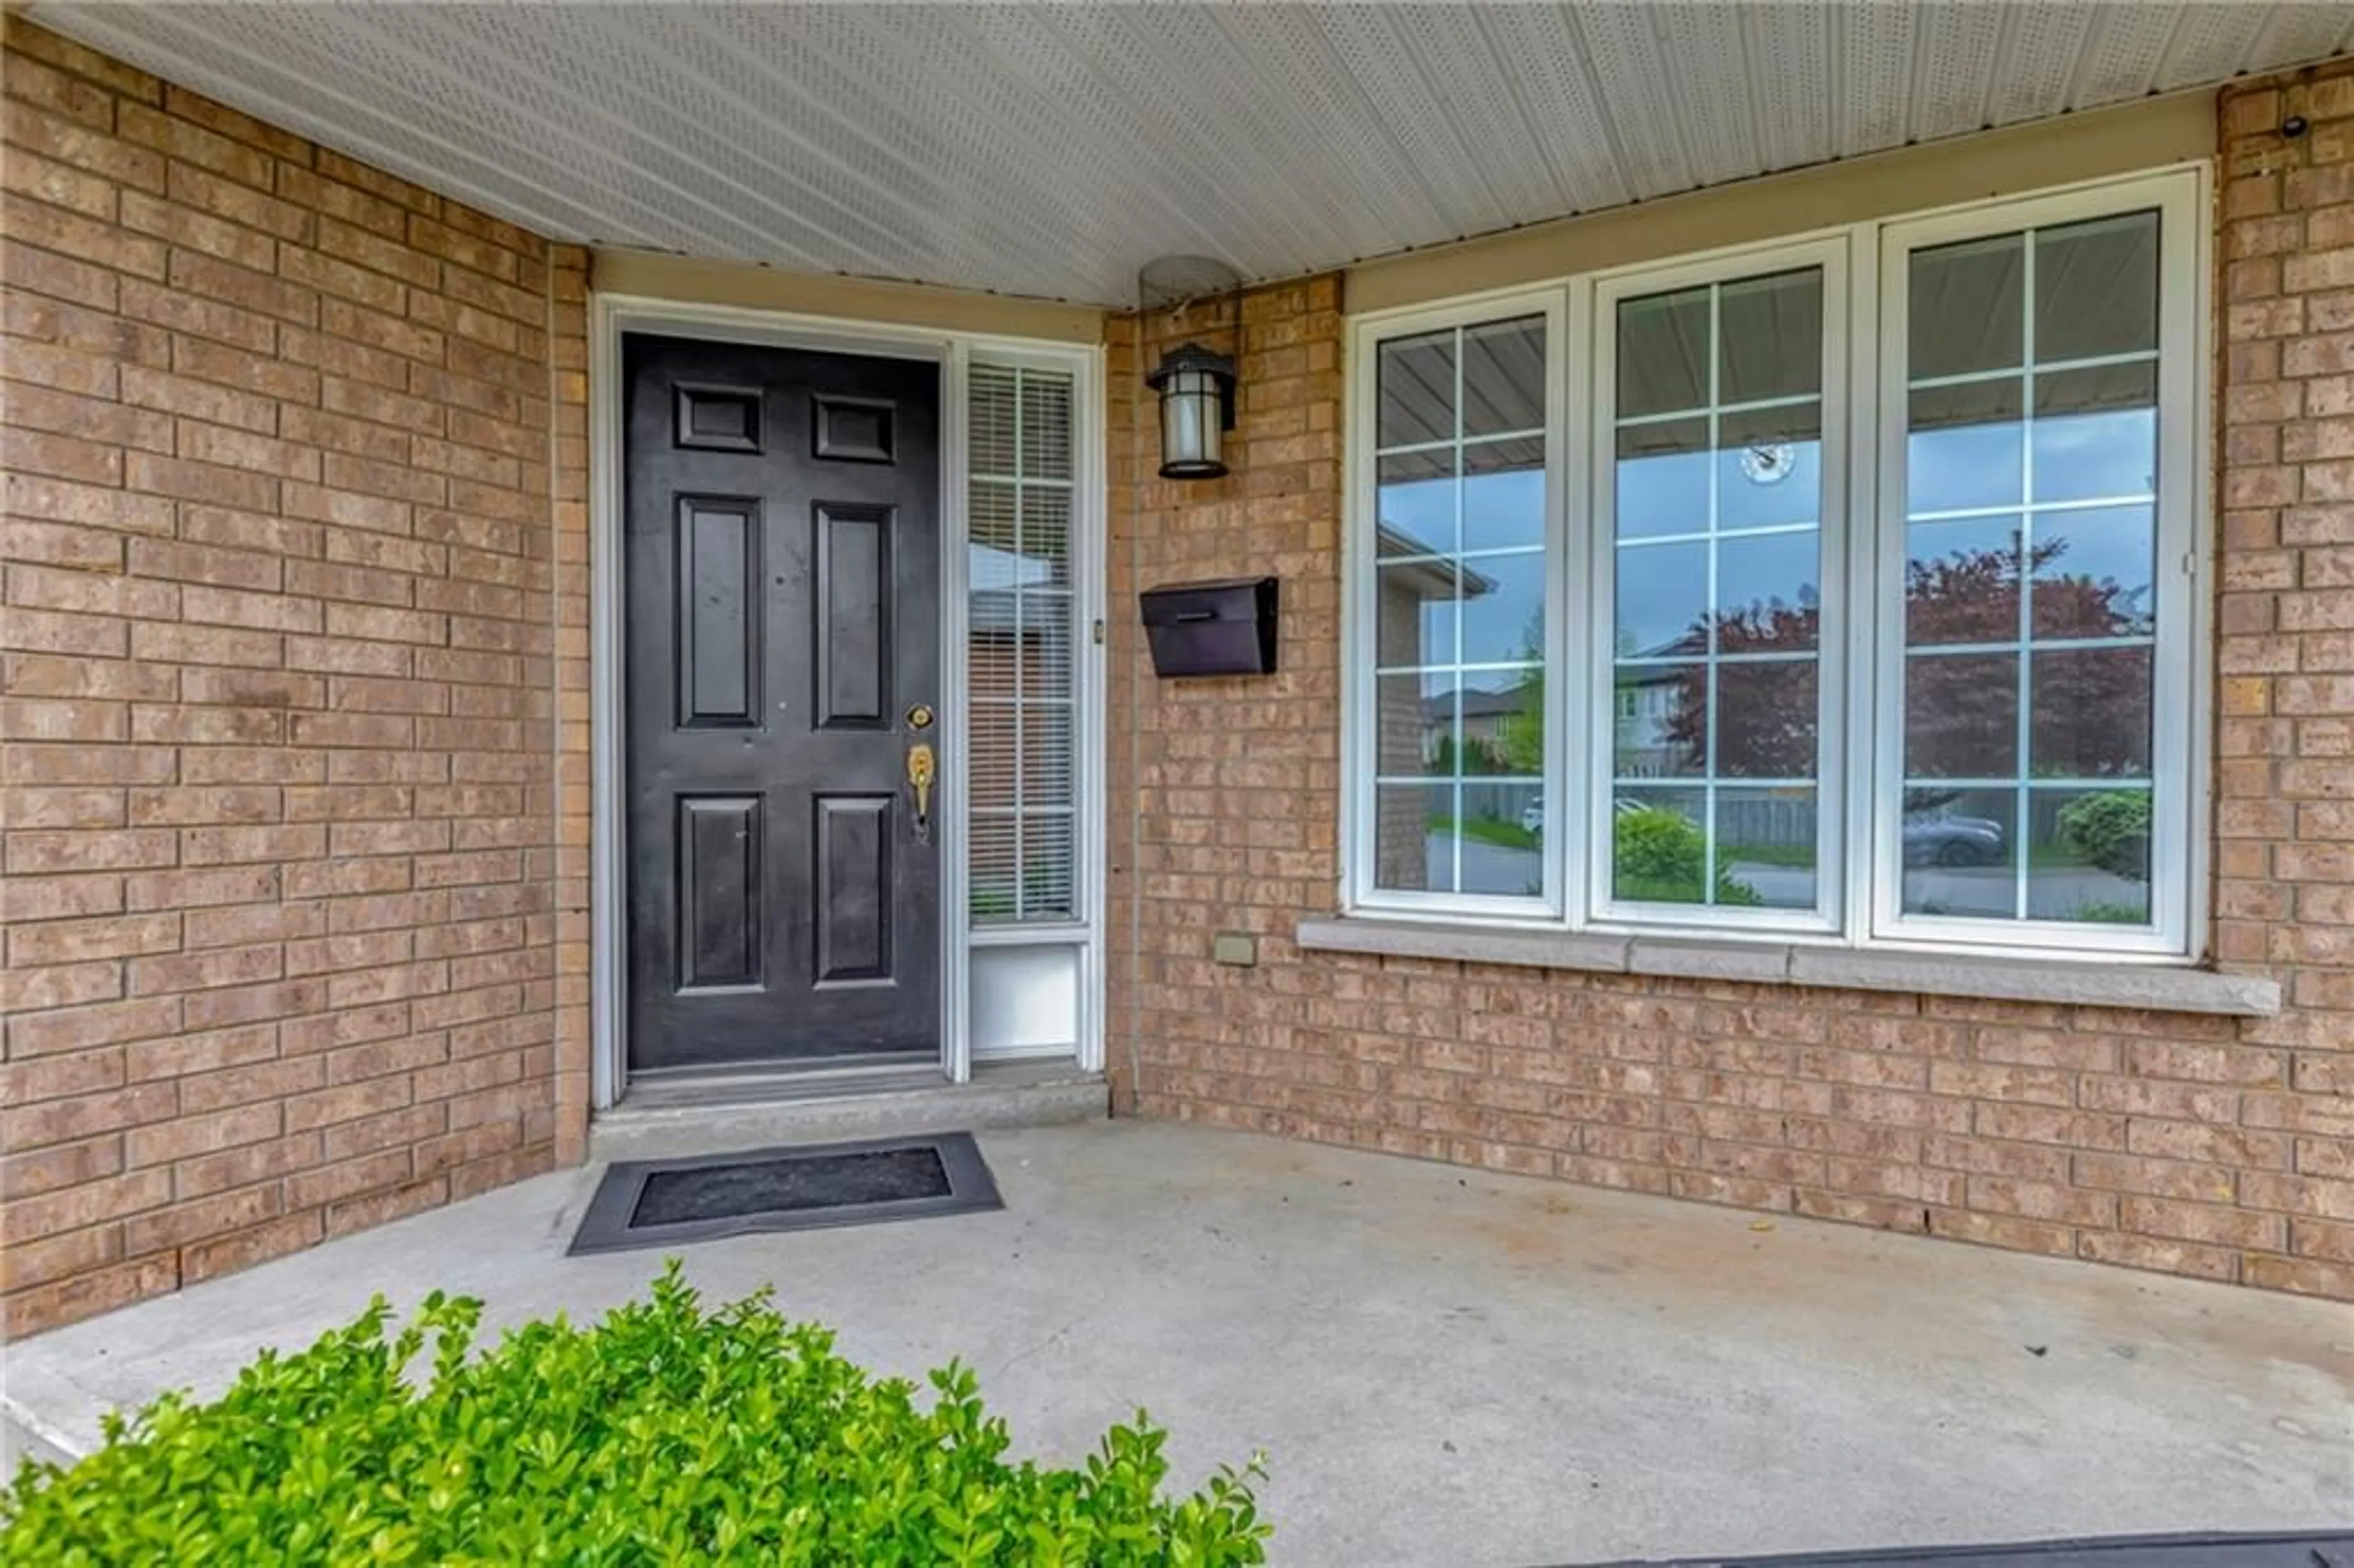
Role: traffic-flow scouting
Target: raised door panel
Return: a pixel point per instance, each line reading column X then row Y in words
column 721, row 936
column 851, row 618
column 717, row 562
column 851, row 893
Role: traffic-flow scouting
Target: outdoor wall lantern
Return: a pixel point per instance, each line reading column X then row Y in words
column 1197, row 408
column 1196, row 384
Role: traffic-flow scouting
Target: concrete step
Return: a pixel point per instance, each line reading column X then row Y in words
column 677, row 1120
column 22, row 1438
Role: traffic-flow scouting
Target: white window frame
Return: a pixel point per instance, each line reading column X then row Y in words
column 1860, row 870
column 1600, row 778
column 2178, row 697
column 1360, row 613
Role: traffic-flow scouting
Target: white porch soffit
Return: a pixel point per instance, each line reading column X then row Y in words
column 1050, row 151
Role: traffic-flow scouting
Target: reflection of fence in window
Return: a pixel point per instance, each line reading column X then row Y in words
column 1021, row 653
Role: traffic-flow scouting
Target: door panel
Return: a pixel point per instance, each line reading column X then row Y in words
column 854, row 834
column 850, row 619
column 719, row 859
column 780, row 579
column 719, row 621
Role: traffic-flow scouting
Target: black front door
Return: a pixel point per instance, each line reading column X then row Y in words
column 782, row 630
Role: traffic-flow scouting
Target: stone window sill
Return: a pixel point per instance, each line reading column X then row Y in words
column 2164, row 988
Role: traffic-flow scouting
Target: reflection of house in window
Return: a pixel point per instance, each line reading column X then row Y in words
column 1491, row 722
column 1648, row 698
column 1408, row 747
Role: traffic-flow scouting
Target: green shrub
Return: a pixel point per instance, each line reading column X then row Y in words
column 2110, row 830
column 1659, row 857
column 663, row 1435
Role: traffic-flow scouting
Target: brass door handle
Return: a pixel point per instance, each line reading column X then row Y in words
column 920, row 768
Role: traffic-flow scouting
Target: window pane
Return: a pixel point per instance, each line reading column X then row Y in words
column 1965, row 450
column 1503, row 608
column 1417, row 376
column 1961, row 715
column 2095, row 433
column 1415, row 499
column 2030, row 721
column 1716, row 520
column 1503, row 495
column 1414, row 607
column 1459, row 585
column 1961, row 581
column 1959, row 847
column 1498, row 837
column 1661, row 727
column 2095, row 573
column 1965, row 307
column 1045, row 541
column 1770, row 338
column 1663, row 479
column 1503, row 377
column 1663, row 353
column 1020, row 653
column 1413, row 723
column 1769, row 599
column 2088, row 856
column 2092, row 712
column 1769, row 467
column 1765, row 846
column 1658, row 844
column 1768, row 722
column 1662, row 600
column 2096, row 288
column 1414, row 848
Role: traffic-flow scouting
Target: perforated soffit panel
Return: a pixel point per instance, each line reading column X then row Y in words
column 1051, row 150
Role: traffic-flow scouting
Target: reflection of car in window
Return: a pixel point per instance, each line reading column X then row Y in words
column 1532, row 814
column 1933, row 838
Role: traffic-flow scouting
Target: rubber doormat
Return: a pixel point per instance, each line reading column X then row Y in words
column 2324, row 1549
column 662, row 1202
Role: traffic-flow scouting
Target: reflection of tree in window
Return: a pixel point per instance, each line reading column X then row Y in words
column 2090, row 711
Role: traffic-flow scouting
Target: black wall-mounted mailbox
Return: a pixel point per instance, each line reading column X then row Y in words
column 1224, row 628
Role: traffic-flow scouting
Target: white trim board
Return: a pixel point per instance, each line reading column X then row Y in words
column 610, row 317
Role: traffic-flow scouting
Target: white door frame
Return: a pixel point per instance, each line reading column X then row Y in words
column 612, row 315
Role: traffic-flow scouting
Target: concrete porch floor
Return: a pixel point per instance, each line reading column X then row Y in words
column 1444, row 1367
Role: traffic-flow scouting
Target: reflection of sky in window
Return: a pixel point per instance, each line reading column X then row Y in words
column 1498, row 626
column 990, row 568
column 2105, row 546
column 1499, row 509
column 1743, row 503
column 2077, row 457
column 2085, row 457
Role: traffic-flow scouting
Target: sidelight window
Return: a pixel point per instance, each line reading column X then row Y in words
column 1021, row 653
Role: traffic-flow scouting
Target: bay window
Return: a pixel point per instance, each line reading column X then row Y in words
column 1843, row 588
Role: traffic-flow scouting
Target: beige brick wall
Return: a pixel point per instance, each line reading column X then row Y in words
column 295, row 589
column 2199, row 1146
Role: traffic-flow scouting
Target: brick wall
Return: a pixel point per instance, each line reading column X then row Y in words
column 2201, row 1146
column 295, row 586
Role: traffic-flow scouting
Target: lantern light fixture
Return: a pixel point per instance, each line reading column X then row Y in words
column 1195, row 382
column 1197, row 408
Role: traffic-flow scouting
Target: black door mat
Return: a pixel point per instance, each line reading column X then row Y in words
column 662, row 1202
column 2322, row 1548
